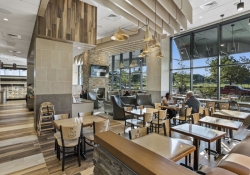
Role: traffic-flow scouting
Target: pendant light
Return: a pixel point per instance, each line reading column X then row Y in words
column 233, row 49
column 142, row 55
column 240, row 6
column 121, row 65
column 147, row 36
column 159, row 54
column 120, row 35
column 132, row 64
column 155, row 42
column 146, row 49
column 249, row 21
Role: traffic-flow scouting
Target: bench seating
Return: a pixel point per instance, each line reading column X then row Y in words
column 236, row 162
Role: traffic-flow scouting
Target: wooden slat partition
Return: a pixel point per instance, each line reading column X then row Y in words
column 71, row 20
column 138, row 158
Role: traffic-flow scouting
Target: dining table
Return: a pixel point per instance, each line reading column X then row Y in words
column 229, row 114
column 200, row 133
column 222, row 123
column 170, row 148
column 173, row 107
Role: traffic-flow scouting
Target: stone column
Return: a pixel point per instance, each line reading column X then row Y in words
column 158, row 71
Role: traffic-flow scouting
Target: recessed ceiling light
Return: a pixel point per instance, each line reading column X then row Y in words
column 79, row 48
column 200, row 17
column 5, row 19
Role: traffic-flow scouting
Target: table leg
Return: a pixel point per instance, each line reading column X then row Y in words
column 196, row 154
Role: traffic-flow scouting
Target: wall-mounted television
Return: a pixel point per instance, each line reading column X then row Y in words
column 99, row 71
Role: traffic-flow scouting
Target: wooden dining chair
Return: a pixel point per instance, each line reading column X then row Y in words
column 83, row 114
column 210, row 104
column 207, row 112
column 139, row 107
column 185, row 117
column 157, row 106
column 70, row 138
column 57, row 134
column 138, row 132
column 148, row 117
column 158, row 122
column 223, row 106
column 201, row 111
column 98, row 127
column 195, row 118
column 129, row 119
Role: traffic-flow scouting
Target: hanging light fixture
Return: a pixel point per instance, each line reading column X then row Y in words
column 240, row 6
column 159, row 54
column 120, row 35
column 146, row 49
column 142, row 55
column 233, row 49
column 147, row 36
column 132, row 64
column 155, row 42
column 121, row 65
column 249, row 21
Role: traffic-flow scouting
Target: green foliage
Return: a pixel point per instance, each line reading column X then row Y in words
column 207, row 91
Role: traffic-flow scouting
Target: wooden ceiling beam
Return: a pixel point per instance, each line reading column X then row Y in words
column 42, row 7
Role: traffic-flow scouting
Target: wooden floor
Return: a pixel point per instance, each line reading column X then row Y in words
column 23, row 152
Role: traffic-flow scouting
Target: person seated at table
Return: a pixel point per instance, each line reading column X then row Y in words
column 167, row 100
column 191, row 101
column 126, row 93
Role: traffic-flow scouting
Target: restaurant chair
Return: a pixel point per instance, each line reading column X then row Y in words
column 158, row 122
column 145, row 100
column 223, row 106
column 183, row 118
column 70, row 138
column 148, row 117
column 201, row 111
column 82, row 114
column 138, row 132
column 98, row 127
column 157, row 106
column 139, row 107
column 210, row 104
column 57, row 134
column 212, row 110
column 195, row 118
column 118, row 108
column 207, row 112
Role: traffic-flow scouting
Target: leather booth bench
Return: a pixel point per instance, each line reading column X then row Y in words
column 236, row 162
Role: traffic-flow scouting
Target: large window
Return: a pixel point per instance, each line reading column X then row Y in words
column 128, row 71
column 214, row 62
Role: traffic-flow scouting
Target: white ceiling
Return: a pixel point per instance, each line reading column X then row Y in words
column 21, row 15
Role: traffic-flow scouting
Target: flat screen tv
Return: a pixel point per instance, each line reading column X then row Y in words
column 99, row 71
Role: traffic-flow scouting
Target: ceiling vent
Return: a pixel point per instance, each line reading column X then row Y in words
column 14, row 36
column 209, row 5
column 4, row 11
column 112, row 17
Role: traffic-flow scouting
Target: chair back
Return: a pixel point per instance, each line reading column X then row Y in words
column 157, row 105
column 210, row 104
column 162, row 114
column 223, row 106
column 139, row 107
column 166, row 126
column 83, row 114
column 207, row 112
column 109, row 93
column 188, row 112
column 116, row 99
column 201, row 110
column 61, row 116
column 144, row 99
column 101, row 126
column 212, row 109
column 71, row 132
column 196, row 118
column 136, row 133
column 148, row 117
column 128, row 108
column 92, row 95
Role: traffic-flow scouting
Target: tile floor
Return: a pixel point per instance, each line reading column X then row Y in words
column 23, row 152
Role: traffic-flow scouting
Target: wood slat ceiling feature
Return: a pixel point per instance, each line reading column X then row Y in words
column 71, row 20
column 186, row 9
column 42, row 7
column 123, row 5
column 163, row 14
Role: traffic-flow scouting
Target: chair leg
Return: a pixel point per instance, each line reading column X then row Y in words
column 189, row 157
column 63, row 159
column 125, row 126
column 158, row 128
column 186, row 160
column 58, row 153
column 78, row 153
column 55, row 144
column 84, row 145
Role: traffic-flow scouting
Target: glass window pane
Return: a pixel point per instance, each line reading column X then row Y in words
column 124, row 80
column 116, row 82
column 205, row 47
column 181, row 52
column 117, row 64
column 181, row 81
column 126, row 60
column 135, row 81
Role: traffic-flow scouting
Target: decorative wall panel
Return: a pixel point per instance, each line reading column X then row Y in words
column 71, row 20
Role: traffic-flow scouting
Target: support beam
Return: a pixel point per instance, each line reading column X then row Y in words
column 42, row 7
column 175, row 12
column 186, row 9
column 145, row 10
column 136, row 14
column 161, row 12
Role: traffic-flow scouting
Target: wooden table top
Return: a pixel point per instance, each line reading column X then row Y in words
column 138, row 158
column 170, row 148
column 86, row 121
column 199, row 132
column 231, row 114
column 141, row 112
column 224, row 123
